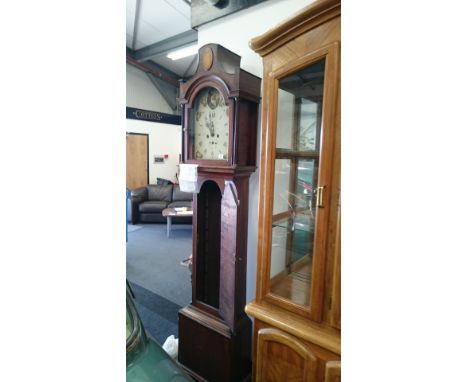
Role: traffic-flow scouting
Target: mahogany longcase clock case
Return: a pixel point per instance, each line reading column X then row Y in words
column 297, row 330
column 220, row 119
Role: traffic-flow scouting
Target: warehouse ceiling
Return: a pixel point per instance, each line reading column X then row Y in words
column 157, row 27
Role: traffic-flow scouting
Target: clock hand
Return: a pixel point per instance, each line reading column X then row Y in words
column 212, row 128
column 210, row 125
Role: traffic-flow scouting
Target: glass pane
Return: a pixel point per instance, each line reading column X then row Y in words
column 129, row 325
column 308, row 125
column 284, row 138
column 297, row 162
column 208, row 126
column 281, row 191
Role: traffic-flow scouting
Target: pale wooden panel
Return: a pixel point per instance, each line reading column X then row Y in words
column 281, row 357
column 333, row 371
column 137, row 160
column 320, row 334
column 336, row 291
column 310, row 17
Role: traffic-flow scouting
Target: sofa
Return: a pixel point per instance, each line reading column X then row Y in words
column 147, row 203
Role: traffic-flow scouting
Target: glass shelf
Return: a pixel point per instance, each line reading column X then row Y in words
column 301, row 222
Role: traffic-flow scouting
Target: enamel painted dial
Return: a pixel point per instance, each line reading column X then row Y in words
column 210, row 125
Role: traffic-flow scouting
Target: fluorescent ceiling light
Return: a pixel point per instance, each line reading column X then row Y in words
column 184, row 52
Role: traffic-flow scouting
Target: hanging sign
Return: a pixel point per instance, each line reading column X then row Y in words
column 153, row 116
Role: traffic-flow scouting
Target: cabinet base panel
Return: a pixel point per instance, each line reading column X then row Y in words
column 209, row 351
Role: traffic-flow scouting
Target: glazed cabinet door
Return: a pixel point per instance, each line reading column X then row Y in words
column 282, row 357
column 299, row 169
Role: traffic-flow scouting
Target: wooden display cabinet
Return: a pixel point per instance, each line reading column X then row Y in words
column 297, row 330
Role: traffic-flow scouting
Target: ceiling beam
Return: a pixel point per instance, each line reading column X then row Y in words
column 167, row 45
column 159, row 68
column 136, row 23
column 155, row 66
column 192, row 63
column 154, row 69
column 169, row 93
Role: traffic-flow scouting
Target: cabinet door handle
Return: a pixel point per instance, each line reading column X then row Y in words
column 320, row 191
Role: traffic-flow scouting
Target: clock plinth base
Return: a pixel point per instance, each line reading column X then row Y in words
column 210, row 351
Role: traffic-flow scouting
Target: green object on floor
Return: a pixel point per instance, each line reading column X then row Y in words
column 146, row 360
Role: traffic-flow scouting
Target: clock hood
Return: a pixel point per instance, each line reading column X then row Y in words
column 220, row 65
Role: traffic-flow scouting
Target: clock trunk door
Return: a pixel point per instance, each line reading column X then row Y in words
column 208, row 245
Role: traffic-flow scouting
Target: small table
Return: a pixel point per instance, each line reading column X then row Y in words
column 169, row 213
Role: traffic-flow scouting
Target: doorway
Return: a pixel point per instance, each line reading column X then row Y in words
column 137, row 160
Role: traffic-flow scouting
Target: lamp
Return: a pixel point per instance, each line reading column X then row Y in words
column 184, row 52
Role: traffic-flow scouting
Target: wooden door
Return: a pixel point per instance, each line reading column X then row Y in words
column 282, row 357
column 137, row 160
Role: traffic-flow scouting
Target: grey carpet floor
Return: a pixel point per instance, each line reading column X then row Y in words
column 131, row 228
column 161, row 285
column 159, row 315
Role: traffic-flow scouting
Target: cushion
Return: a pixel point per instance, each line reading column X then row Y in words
column 163, row 182
column 152, row 206
column 180, row 195
column 160, row 193
column 139, row 193
column 181, row 203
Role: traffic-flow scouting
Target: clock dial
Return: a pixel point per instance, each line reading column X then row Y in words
column 210, row 127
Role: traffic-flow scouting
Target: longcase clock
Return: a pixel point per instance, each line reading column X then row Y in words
column 220, row 104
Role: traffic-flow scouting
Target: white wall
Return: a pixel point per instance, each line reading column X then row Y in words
column 142, row 94
column 234, row 33
column 163, row 138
